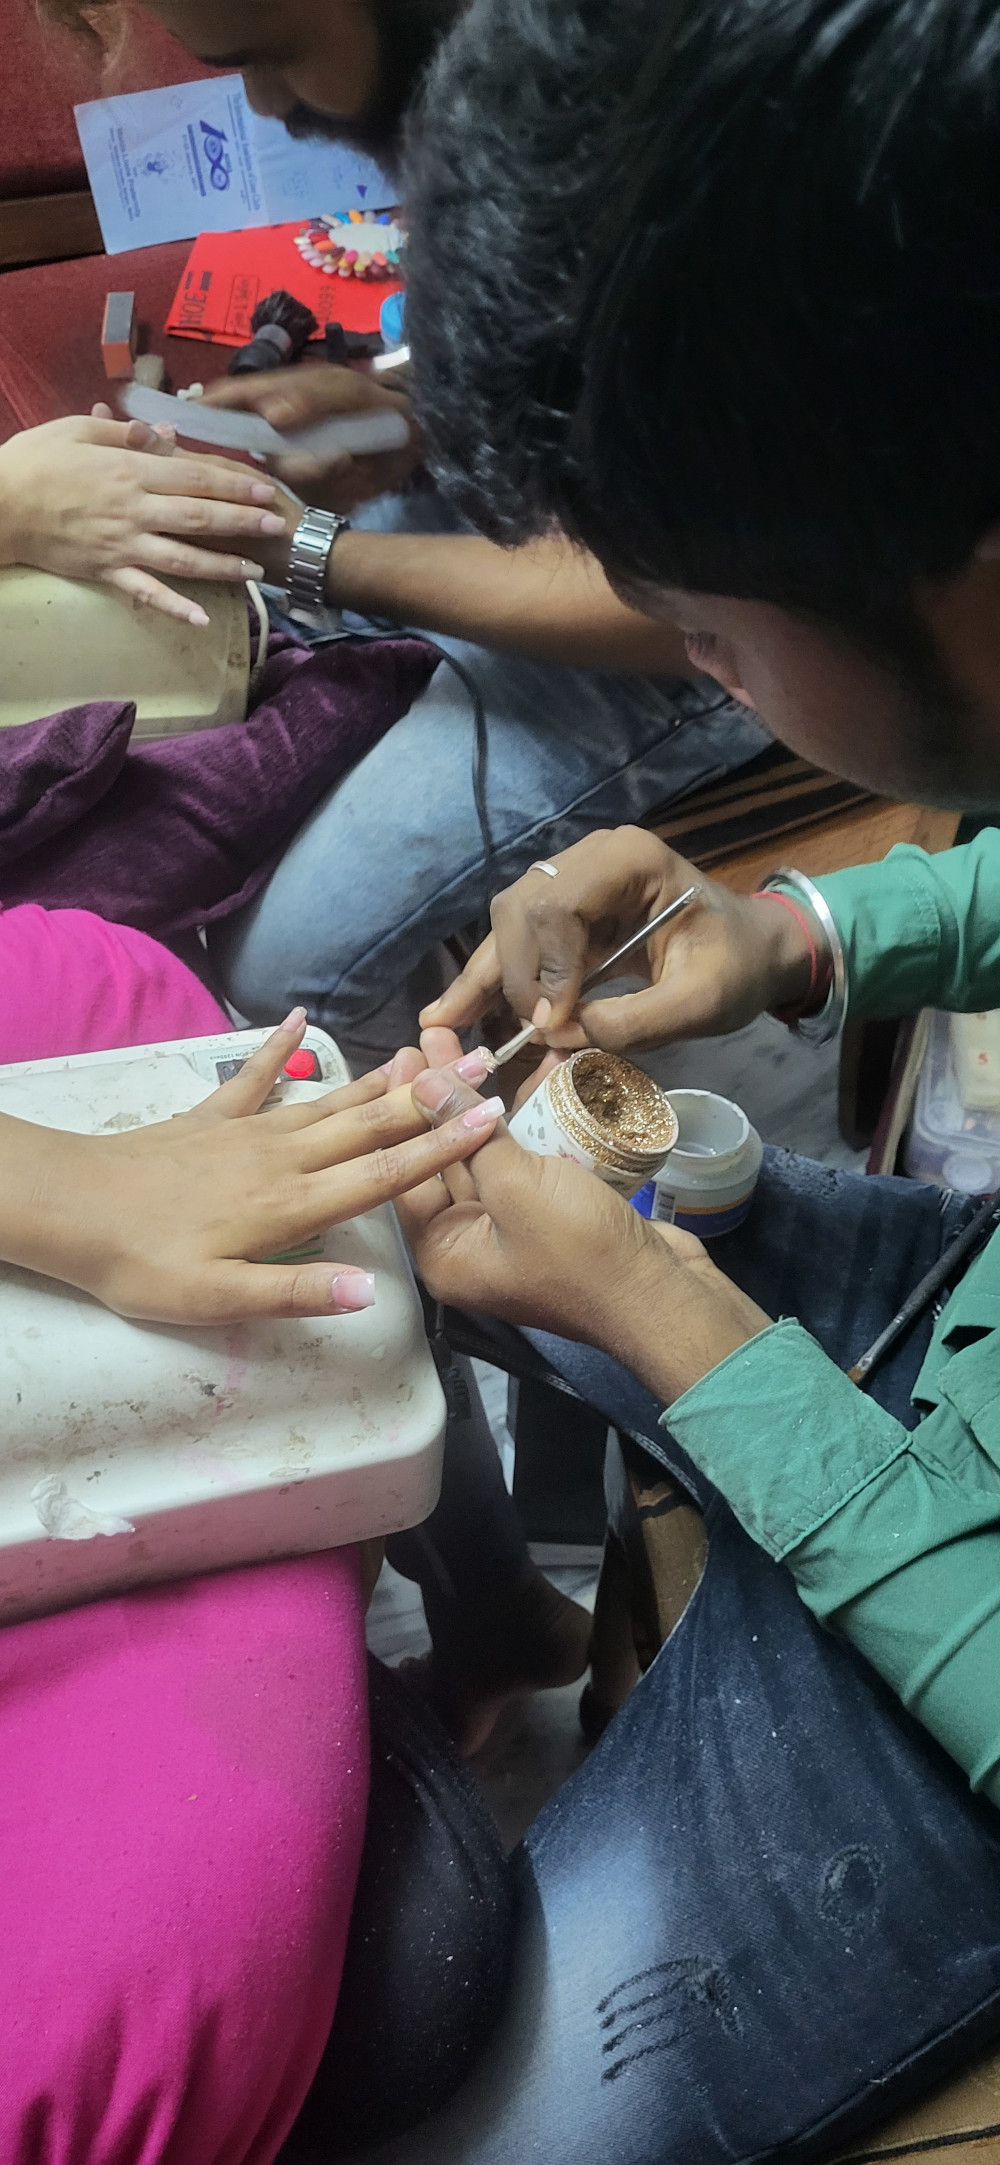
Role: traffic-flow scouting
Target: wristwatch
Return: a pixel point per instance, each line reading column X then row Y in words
column 312, row 542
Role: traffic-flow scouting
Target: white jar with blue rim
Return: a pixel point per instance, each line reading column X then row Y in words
column 708, row 1182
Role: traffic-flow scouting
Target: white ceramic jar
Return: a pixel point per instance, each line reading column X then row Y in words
column 605, row 1114
column 707, row 1186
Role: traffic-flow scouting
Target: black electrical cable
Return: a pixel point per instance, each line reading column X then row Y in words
column 481, row 745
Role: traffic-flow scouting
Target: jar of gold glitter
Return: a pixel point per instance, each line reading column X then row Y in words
column 605, row 1114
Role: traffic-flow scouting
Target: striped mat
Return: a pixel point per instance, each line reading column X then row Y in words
column 772, row 795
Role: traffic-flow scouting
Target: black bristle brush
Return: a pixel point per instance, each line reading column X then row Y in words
column 281, row 326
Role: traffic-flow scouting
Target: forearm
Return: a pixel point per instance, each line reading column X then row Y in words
column 921, row 931
column 545, row 601
column 36, row 1167
column 893, row 1540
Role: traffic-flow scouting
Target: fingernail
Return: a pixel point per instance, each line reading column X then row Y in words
column 483, row 1116
column 278, row 409
column 436, row 1090
column 353, row 1289
column 542, row 1014
column 293, row 1021
column 430, row 1009
column 249, row 570
column 272, row 523
column 387, row 1066
column 261, row 492
column 197, row 615
column 471, row 1067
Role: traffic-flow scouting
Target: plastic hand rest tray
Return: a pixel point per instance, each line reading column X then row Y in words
column 137, row 1452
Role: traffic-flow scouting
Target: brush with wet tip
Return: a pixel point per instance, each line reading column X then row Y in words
column 515, row 1044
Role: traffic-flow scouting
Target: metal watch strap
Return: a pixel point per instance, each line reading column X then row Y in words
column 820, row 1028
column 312, row 542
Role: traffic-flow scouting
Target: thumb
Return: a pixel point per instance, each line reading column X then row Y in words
column 235, row 1292
column 643, row 1020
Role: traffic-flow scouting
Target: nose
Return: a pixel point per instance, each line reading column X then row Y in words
column 267, row 93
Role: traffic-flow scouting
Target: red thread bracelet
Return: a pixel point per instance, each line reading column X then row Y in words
column 819, row 976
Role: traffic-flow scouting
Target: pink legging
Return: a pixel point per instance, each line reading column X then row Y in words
column 183, row 1772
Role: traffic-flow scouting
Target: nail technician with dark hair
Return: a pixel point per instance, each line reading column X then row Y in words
column 732, row 318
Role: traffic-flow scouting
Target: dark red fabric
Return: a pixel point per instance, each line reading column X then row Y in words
column 45, row 72
column 188, row 829
column 50, row 332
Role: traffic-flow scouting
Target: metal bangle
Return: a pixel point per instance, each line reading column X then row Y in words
column 817, row 1029
column 309, row 555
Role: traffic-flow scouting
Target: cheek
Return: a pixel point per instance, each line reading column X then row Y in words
column 813, row 701
column 341, row 77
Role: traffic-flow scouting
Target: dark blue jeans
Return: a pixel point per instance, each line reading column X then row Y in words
column 766, row 1912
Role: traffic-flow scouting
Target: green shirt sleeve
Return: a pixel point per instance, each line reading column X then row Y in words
column 893, row 1538
column 919, row 930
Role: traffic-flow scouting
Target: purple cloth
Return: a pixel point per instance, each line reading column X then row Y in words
column 170, row 835
column 53, row 772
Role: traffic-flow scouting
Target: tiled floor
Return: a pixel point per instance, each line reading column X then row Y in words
column 790, row 1094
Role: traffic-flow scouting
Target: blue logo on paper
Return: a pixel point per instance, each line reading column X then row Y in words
column 219, row 162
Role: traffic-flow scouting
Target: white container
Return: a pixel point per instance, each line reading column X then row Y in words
column 708, row 1186
column 626, row 1147
column 66, row 642
column 952, row 1143
column 136, row 1451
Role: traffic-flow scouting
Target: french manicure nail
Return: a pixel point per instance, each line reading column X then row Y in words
column 197, row 615
column 387, row 1066
column 471, row 1067
column 352, row 1290
column 272, row 523
column 542, row 1014
column 483, row 1116
column 295, row 1020
column 262, row 492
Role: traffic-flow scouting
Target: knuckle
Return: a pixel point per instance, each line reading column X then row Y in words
column 388, row 1166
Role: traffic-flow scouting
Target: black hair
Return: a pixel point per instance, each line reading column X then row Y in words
column 715, row 286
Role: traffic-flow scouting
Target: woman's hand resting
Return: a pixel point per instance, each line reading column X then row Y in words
column 173, row 1222
column 542, row 1242
column 115, row 501
column 725, row 959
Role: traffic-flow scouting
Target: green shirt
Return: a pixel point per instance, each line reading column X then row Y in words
column 893, row 1539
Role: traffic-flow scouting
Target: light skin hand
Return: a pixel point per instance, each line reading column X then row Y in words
column 541, row 1241
column 293, row 398
column 725, row 959
column 174, row 1222
column 116, row 502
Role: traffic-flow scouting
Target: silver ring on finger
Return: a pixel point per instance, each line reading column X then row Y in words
column 542, row 864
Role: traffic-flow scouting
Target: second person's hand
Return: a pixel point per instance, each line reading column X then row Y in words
column 724, row 960
column 540, row 1241
column 292, row 398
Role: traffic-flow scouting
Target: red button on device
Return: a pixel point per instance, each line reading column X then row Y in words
column 303, row 1066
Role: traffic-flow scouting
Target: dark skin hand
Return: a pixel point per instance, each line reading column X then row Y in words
column 724, row 960
column 541, row 1241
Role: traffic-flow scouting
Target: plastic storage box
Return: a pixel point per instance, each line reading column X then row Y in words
column 136, row 1452
column 953, row 1143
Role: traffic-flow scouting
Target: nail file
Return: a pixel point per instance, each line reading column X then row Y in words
column 383, row 429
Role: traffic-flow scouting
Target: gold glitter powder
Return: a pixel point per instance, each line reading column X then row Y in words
column 613, row 1107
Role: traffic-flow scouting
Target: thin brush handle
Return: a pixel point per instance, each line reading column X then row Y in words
column 958, row 1251
column 638, row 939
